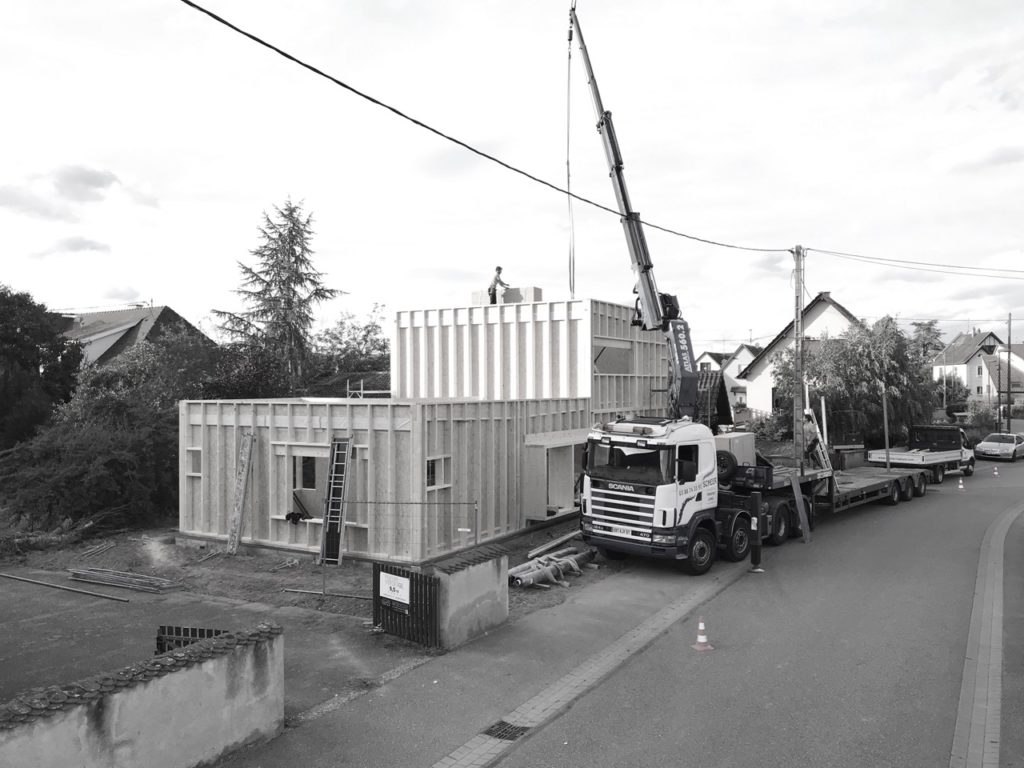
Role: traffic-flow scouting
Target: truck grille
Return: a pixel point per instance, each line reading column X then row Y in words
column 622, row 514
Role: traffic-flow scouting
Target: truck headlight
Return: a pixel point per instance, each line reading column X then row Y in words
column 663, row 538
column 587, row 525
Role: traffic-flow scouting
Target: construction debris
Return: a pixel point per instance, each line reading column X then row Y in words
column 66, row 589
column 99, row 548
column 553, row 568
column 125, row 579
column 210, row 555
column 552, row 544
column 291, row 562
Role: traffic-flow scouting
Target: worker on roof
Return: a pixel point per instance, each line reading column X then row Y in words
column 492, row 291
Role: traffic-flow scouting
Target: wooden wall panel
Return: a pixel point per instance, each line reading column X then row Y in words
column 392, row 514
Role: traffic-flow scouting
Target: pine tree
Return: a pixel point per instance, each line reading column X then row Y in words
column 280, row 292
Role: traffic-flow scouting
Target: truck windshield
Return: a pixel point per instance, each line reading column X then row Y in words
column 651, row 466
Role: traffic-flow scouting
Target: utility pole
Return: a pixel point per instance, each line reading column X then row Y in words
column 1009, row 371
column 798, row 358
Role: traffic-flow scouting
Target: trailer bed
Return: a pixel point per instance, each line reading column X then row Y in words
column 863, row 485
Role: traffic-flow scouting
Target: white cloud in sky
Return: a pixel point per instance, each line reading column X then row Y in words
column 888, row 129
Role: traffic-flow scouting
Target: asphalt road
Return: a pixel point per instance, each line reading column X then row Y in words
column 847, row 652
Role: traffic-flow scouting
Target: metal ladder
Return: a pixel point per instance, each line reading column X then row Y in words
column 333, row 532
column 819, row 452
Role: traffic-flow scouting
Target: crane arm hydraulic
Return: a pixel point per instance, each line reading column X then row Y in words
column 654, row 310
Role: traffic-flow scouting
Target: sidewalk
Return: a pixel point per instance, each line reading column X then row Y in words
column 527, row 671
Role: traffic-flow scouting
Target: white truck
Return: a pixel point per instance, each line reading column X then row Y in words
column 655, row 487
column 939, row 448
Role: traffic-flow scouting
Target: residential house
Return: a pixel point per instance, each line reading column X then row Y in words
column 823, row 316
column 105, row 335
column 979, row 360
column 731, row 365
column 964, row 359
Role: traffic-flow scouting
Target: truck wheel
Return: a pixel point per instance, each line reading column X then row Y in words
column 726, row 466
column 894, row 495
column 738, row 546
column 940, row 474
column 611, row 554
column 700, row 553
column 907, row 489
column 920, row 485
column 780, row 524
column 969, row 469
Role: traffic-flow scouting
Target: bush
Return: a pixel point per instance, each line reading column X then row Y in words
column 772, row 428
column 90, row 472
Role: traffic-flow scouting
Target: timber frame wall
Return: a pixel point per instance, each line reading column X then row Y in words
column 474, row 449
column 539, row 350
column 490, row 407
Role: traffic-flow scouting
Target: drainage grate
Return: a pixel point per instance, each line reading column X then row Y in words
column 506, row 731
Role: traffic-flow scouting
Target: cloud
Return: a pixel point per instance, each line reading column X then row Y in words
column 993, row 159
column 24, row 200
column 989, row 290
column 82, row 184
column 75, row 244
column 121, row 293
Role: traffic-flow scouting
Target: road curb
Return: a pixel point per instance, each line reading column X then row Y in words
column 976, row 736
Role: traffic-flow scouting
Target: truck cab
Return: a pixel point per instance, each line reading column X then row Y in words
column 650, row 488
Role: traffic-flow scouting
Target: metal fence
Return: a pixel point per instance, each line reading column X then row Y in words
column 405, row 603
column 178, row 637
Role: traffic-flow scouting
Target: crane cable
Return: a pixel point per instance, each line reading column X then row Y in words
column 568, row 174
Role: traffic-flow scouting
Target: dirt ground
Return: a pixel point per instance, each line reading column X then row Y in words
column 265, row 576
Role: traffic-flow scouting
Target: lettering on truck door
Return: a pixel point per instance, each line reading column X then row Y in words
column 697, row 475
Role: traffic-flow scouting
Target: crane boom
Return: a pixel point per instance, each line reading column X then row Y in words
column 654, row 310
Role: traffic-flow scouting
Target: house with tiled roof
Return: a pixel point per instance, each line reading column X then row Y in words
column 823, row 316
column 105, row 335
column 964, row 358
column 730, row 364
column 987, row 367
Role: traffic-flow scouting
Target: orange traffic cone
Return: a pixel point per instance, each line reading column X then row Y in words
column 995, row 471
column 960, row 486
column 702, row 643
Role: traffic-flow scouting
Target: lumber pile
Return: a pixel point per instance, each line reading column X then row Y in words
column 136, row 581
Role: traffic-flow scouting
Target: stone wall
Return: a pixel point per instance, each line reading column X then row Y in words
column 178, row 709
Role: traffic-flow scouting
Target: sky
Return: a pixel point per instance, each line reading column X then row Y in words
column 144, row 141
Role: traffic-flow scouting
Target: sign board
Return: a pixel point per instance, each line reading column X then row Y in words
column 394, row 587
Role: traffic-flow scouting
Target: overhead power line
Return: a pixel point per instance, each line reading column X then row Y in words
column 464, row 145
column 946, row 269
column 922, row 266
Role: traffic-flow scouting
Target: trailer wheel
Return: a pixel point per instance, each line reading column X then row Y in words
column 907, row 490
column 611, row 554
column 920, row 485
column 700, row 553
column 969, row 469
column 940, row 474
column 780, row 523
column 726, row 466
column 894, row 495
column 738, row 546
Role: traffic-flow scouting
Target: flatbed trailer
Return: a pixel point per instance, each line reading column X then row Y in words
column 853, row 487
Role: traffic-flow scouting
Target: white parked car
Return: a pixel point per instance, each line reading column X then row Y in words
column 1000, row 445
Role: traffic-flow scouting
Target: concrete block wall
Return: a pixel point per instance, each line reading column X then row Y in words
column 473, row 598
column 179, row 709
